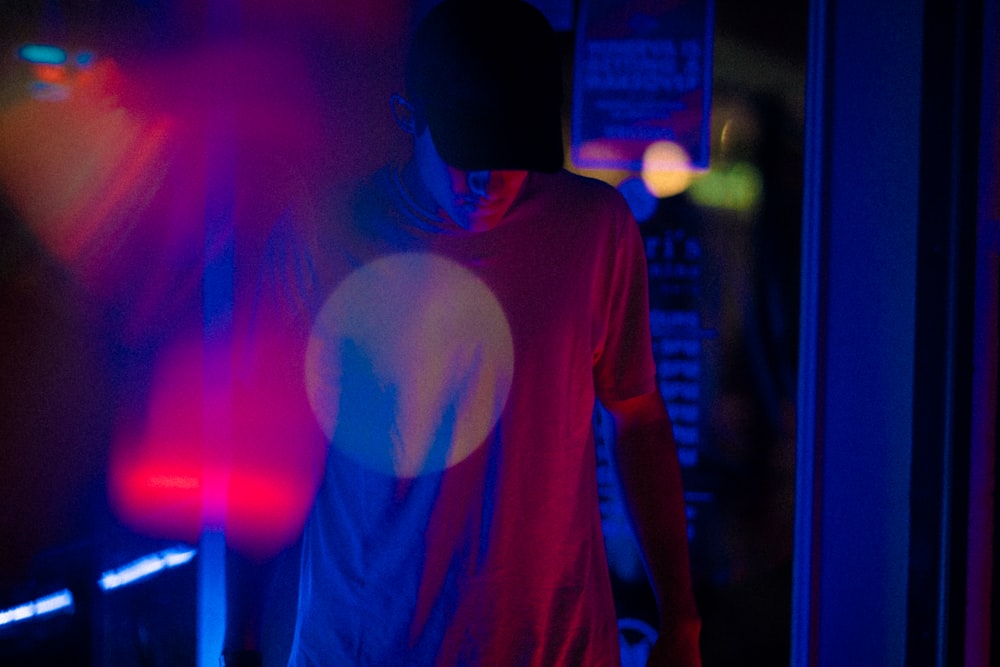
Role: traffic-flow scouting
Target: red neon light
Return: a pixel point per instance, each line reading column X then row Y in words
column 214, row 452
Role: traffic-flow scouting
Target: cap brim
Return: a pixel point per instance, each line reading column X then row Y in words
column 479, row 140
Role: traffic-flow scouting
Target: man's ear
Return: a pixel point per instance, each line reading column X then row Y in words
column 405, row 113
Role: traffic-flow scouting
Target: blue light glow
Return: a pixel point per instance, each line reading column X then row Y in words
column 48, row 92
column 50, row 604
column 42, row 54
column 145, row 567
column 636, row 639
column 85, row 59
column 211, row 597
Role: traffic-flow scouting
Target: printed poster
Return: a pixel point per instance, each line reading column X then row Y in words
column 642, row 74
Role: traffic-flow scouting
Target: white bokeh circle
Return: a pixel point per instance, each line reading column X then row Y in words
column 409, row 364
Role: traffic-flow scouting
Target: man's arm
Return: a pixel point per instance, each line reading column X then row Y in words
column 646, row 457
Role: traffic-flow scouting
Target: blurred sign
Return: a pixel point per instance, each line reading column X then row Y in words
column 643, row 74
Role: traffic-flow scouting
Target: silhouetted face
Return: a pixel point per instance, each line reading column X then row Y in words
column 474, row 200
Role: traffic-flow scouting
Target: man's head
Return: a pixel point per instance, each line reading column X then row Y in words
column 485, row 77
column 474, row 200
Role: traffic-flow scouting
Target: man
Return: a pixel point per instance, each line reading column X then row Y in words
column 473, row 305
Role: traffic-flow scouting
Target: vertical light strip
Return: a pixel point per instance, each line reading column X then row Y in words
column 804, row 584
column 211, row 597
column 218, row 288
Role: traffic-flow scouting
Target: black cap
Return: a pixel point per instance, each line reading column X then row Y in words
column 487, row 77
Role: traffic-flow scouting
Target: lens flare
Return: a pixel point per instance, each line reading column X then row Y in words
column 409, row 364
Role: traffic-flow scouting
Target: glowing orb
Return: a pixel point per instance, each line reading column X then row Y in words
column 666, row 169
column 409, row 364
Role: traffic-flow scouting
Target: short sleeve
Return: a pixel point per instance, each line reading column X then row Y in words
column 623, row 355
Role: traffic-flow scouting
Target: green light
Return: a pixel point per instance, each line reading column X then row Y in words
column 737, row 188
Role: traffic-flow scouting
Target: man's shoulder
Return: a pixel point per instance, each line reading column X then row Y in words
column 581, row 196
column 584, row 184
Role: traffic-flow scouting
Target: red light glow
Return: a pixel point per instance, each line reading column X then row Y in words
column 50, row 73
column 214, row 453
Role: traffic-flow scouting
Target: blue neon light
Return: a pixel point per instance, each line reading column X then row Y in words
column 42, row 54
column 145, row 567
column 49, row 604
column 62, row 601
